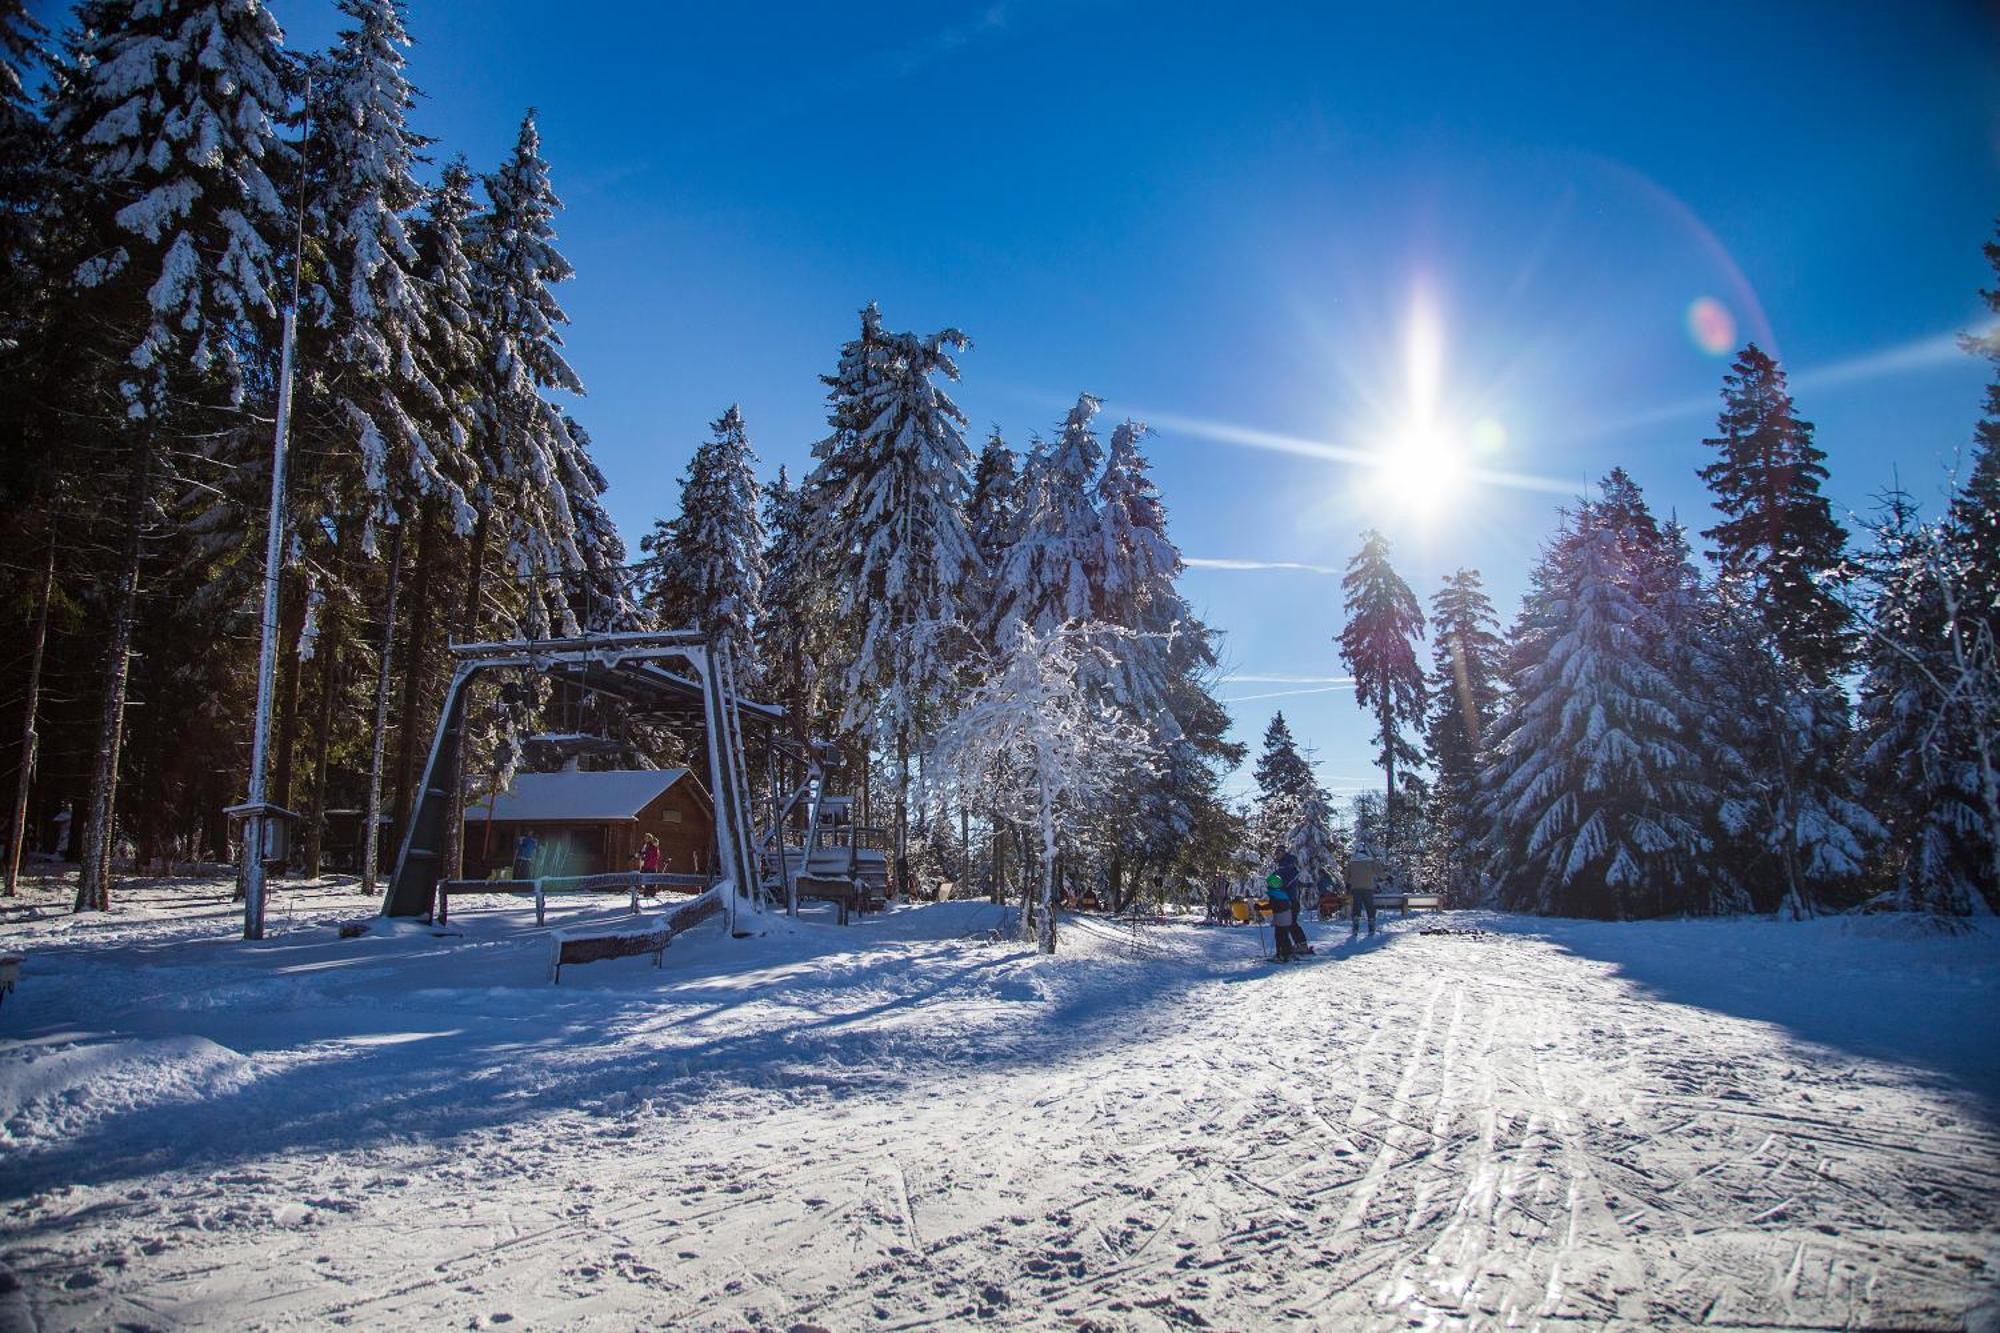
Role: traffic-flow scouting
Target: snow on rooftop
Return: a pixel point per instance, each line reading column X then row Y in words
column 574, row 796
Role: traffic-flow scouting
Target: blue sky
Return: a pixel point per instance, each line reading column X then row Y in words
column 1222, row 218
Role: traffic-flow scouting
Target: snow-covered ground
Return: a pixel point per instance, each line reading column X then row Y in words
column 906, row 1122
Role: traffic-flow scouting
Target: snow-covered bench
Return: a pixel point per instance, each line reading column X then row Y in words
column 1405, row 902
column 591, row 944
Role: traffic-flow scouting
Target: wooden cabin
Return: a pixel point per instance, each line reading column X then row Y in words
column 591, row 822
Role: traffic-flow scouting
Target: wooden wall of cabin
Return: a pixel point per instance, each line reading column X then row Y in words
column 680, row 820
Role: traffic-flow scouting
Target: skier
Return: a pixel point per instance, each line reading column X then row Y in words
column 1285, row 890
column 524, row 855
column 649, row 855
column 1364, row 871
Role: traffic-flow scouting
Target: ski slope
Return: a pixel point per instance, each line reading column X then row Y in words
column 906, row 1122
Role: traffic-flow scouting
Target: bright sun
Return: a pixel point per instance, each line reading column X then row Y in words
column 1421, row 463
column 1422, row 467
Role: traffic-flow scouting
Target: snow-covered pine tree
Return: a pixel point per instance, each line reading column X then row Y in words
column 515, row 266
column 393, row 415
column 1464, row 705
column 602, row 599
column 890, row 533
column 163, row 123
column 1285, row 786
column 1919, row 750
column 1316, row 846
column 1779, row 553
column 705, row 566
column 1778, row 541
column 1594, row 802
column 1379, row 645
column 994, row 506
column 800, row 625
column 1048, row 576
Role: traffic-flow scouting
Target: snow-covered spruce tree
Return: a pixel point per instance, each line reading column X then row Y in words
column 1464, row 705
column 1032, row 745
column 705, row 566
column 1285, row 786
column 375, row 364
column 1919, row 743
column 164, row 123
column 1594, row 802
column 1778, row 544
column 1379, row 645
column 800, row 628
column 1161, row 673
column 1779, row 553
column 520, row 434
column 1049, row 576
column 890, row 533
column 994, row 506
column 601, row 596
column 1314, row 843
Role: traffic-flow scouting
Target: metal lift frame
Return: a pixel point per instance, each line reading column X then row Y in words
column 626, row 663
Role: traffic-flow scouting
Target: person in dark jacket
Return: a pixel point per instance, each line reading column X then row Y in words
column 1287, row 890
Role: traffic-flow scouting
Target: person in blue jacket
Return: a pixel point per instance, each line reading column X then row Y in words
column 1285, row 888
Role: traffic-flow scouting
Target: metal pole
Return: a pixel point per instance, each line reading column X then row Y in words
column 267, row 655
column 274, row 538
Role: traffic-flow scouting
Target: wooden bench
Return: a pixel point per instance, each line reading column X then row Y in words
column 594, row 944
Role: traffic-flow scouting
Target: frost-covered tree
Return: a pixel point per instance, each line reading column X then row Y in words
column 1463, row 707
column 374, row 363
column 1921, row 720
column 705, row 566
column 1379, row 645
column 1778, row 539
column 517, row 319
column 164, row 122
column 1032, row 744
column 1048, row 576
column 1314, row 843
column 1285, row 786
column 890, row 533
column 1594, row 801
column 994, row 504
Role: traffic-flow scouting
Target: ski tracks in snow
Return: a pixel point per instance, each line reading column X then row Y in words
column 1439, row 1131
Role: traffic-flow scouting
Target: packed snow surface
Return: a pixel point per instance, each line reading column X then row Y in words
column 911, row 1121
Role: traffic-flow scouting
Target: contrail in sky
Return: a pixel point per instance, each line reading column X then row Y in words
column 1217, row 562
column 1246, row 678
column 1286, row 694
column 1337, row 453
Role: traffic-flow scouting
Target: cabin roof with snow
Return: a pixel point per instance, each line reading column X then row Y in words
column 577, row 797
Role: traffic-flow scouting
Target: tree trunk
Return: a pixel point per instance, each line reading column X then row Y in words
column 1389, row 793
column 900, row 886
column 371, row 813
column 291, row 631
column 329, row 683
column 18, row 830
column 475, row 583
column 407, row 742
column 1045, row 937
column 93, row 881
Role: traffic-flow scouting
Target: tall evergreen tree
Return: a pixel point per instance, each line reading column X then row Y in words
column 23, row 170
column 891, row 533
column 1379, row 645
column 1594, row 802
column 1464, row 705
column 706, row 566
column 515, row 266
column 1285, row 786
column 1778, row 539
column 1049, row 575
column 164, row 122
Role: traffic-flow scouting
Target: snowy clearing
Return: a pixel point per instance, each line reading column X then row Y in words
column 901, row 1122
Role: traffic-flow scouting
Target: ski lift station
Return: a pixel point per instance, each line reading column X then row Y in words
column 749, row 827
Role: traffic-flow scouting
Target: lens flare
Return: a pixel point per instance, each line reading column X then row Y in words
column 1711, row 326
